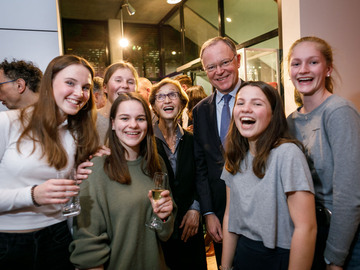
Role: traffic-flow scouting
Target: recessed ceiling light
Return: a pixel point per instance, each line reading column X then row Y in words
column 228, row 19
column 172, row 2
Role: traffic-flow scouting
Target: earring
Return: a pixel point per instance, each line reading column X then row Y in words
column 328, row 75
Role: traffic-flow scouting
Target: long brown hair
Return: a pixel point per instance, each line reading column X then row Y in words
column 41, row 126
column 115, row 165
column 195, row 93
column 274, row 135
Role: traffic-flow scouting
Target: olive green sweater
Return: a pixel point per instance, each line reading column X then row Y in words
column 110, row 229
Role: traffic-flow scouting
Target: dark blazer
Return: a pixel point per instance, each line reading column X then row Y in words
column 183, row 183
column 209, row 159
column 178, row 254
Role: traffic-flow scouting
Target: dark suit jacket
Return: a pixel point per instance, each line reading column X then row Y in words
column 209, row 158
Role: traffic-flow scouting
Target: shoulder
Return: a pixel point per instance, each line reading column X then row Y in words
column 97, row 168
column 340, row 114
column 10, row 119
column 339, row 104
column 188, row 135
column 204, row 103
column 286, row 150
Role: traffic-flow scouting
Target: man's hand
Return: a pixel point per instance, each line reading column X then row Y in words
column 190, row 223
column 213, row 227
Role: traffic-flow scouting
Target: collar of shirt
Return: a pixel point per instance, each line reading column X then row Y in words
column 158, row 134
column 219, row 95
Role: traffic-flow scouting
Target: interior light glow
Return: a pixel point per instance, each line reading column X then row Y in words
column 173, row 2
column 124, row 42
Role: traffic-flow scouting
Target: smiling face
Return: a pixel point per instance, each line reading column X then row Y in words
column 130, row 126
column 308, row 68
column 168, row 109
column 252, row 113
column 121, row 81
column 71, row 88
column 223, row 78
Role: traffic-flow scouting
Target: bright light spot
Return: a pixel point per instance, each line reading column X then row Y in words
column 173, row 52
column 173, row 1
column 228, row 19
column 124, row 42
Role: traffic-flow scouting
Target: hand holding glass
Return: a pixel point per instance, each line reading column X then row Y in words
column 72, row 207
column 161, row 183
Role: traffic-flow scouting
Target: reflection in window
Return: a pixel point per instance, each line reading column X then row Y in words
column 88, row 39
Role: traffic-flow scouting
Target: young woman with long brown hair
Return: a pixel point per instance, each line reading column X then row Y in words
column 37, row 143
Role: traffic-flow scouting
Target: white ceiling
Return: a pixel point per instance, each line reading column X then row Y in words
column 147, row 11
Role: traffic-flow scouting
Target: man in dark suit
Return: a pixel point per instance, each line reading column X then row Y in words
column 221, row 63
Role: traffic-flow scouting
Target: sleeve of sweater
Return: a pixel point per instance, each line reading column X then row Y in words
column 90, row 247
column 10, row 198
column 343, row 131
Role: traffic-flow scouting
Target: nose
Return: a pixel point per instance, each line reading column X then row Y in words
column 304, row 68
column 133, row 123
column 246, row 107
column 167, row 99
column 79, row 91
column 219, row 69
column 124, row 84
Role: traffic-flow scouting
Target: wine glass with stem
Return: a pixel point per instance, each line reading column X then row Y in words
column 161, row 183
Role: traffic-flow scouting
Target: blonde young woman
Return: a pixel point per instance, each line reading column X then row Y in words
column 119, row 78
column 329, row 128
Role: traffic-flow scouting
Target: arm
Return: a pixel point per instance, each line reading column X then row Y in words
column 82, row 172
column 213, row 225
column 302, row 211
column 346, row 182
column 90, row 247
column 230, row 239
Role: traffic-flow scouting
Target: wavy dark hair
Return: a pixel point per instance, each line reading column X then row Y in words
column 41, row 125
column 274, row 135
column 115, row 165
column 27, row 71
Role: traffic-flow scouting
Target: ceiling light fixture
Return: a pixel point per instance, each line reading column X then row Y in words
column 130, row 9
column 173, row 2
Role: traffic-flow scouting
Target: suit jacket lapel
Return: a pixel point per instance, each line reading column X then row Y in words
column 213, row 119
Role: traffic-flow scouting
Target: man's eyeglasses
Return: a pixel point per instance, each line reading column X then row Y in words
column 162, row 97
column 223, row 63
column 7, row 82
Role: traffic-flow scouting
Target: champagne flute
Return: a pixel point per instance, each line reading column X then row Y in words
column 72, row 207
column 161, row 183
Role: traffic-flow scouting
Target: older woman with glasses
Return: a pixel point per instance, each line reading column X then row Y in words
column 186, row 248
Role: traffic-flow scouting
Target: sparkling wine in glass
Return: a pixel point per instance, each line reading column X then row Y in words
column 161, row 183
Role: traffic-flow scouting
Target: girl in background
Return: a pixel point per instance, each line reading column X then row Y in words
column 119, row 78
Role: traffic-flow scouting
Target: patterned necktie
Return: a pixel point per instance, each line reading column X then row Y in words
column 225, row 118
